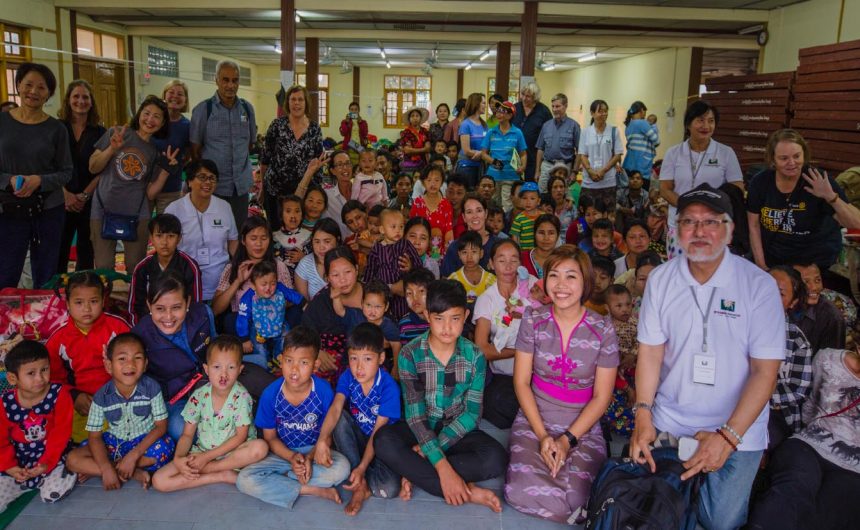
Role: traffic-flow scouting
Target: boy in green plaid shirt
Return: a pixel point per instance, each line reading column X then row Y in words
column 136, row 442
column 439, row 447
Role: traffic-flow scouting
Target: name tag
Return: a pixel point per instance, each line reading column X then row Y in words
column 243, row 118
column 203, row 256
column 704, row 369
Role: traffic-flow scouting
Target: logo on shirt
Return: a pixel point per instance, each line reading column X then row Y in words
column 727, row 309
column 216, row 222
column 130, row 165
column 311, row 418
column 375, row 410
column 727, row 305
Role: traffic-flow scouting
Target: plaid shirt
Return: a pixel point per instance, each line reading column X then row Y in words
column 795, row 378
column 443, row 403
column 127, row 418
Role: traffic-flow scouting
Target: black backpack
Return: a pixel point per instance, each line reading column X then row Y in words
column 627, row 496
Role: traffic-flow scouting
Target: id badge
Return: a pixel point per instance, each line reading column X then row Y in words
column 704, row 369
column 203, row 256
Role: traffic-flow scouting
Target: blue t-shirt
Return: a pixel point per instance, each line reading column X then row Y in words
column 476, row 133
column 642, row 140
column 178, row 135
column 382, row 400
column 502, row 146
column 354, row 317
column 297, row 426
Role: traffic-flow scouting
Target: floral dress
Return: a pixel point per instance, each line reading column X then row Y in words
column 441, row 222
column 562, row 383
column 415, row 138
column 214, row 427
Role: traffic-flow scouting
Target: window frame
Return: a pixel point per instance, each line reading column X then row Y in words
column 96, row 54
column 513, row 95
column 323, row 96
column 162, row 70
column 399, row 94
column 12, row 62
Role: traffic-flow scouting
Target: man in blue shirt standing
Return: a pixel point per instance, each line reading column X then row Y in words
column 558, row 141
column 223, row 129
column 499, row 148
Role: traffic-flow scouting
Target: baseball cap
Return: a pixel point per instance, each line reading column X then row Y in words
column 528, row 186
column 707, row 195
column 507, row 105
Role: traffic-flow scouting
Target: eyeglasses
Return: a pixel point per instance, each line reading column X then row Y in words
column 206, row 178
column 708, row 224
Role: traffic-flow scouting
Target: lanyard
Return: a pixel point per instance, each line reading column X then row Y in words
column 200, row 224
column 694, row 169
column 705, row 315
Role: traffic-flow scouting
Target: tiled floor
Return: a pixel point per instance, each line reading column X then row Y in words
column 218, row 507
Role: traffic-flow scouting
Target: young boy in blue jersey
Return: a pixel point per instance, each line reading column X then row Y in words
column 366, row 399
column 290, row 415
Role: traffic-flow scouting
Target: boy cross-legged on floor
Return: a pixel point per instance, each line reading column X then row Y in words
column 219, row 435
column 439, row 447
column 136, row 442
column 367, row 398
column 291, row 413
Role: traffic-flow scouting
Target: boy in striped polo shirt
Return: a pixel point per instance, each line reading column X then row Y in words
column 523, row 226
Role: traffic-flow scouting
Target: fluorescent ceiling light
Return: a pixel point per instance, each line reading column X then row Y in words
column 84, row 49
column 484, row 55
column 388, row 65
column 588, row 57
column 278, row 48
column 548, row 67
column 382, row 53
column 468, row 67
column 298, row 17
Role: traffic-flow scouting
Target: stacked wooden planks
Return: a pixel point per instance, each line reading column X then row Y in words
column 751, row 107
column 827, row 103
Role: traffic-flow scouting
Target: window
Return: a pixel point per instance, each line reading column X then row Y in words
column 209, row 68
column 15, row 50
column 102, row 45
column 403, row 92
column 322, row 99
column 513, row 89
column 163, row 62
column 244, row 76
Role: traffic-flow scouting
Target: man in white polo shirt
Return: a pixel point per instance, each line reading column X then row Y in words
column 711, row 338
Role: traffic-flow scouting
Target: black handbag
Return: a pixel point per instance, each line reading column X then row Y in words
column 21, row 208
column 119, row 227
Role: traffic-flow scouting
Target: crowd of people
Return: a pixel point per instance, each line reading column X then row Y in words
column 350, row 314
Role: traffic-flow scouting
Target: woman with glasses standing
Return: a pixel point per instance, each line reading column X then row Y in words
column 698, row 160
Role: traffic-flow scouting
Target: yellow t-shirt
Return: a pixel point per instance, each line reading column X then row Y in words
column 473, row 291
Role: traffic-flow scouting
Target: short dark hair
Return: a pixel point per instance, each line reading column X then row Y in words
column 349, row 207
column 84, row 279
column 585, row 202
column 617, row 289
column 168, row 281
column 548, row 218
column 495, row 209
column 366, row 336
column 166, row 223
column 457, row 179
column 40, row 69
column 634, row 223
column 225, row 343
column 26, row 351
column 417, row 221
column 329, row 226
column 263, row 268
column 516, row 186
column 162, row 106
column 499, row 243
column 436, row 158
column 302, row 337
column 797, row 284
column 124, row 338
column 443, row 295
column 196, row 165
column 602, row 224
column 453, row 143
column 699, row 108
column 649, row 257
column 420, row 277
column 293, row 198
column 338, row 252
column 469, row 239
column 317, row 189
column 402, row 175
column 429, row 168
column 377, row 287
column 487, row 177
column 437, row 140
column 376, row 211
column 603, row 263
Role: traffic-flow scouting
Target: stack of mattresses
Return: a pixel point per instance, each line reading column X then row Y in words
column 827, row 104
column 751, row 107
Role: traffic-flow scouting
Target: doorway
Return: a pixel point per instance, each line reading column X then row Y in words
column 108, row 81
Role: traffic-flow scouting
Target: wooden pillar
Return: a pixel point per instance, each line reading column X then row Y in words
column 695, row 74
column 73, row 30
column 356, row 84
column 528, row 39
column 131, row 80
column 460, row 73
column 288, row 42
column 312, row 71
column 503, row 68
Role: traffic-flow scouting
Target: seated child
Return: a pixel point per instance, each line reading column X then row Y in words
column 516, row 207
column 620, row 413
column 354, row 216
column 440, row 148
column 415, row 284
column 523, row 226
column 579, row 231
column 373, row 233
column 374, row 304
column 418, row 233
column 292, row 241
column 77, row 347
column 165, row 231
column 496, row 221
column 547, row 204
column 136, row 442
column 453, row 152
column 36, row 423
column 368, row 185
column 439, row 447
column 366, row 399
column 632, row 202
column 601, row 240
column 402, row 201
column 219, row 435
column 474, row 279
column 604, row 272
column 290, row 413
column 261, row 322
column 389, row 258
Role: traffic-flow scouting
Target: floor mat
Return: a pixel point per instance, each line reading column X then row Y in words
column 15, row 508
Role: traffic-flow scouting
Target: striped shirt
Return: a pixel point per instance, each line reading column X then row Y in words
column 127, row 418
column 442, row 403
column 795, row 378
column 642, row 140
column 411, row 326
column 523, row 228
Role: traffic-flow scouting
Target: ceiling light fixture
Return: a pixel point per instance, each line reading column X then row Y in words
column 388, row 65
column 298, row 17
column 278, row 48
column 587, row 57
column 549, row 67
column 468, row 67
column 484, row 55
column 382, row 53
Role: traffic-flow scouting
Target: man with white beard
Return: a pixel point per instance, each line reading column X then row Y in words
column 711, row 338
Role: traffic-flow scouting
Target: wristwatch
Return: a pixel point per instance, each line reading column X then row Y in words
column 571, row 439
column 86, row 196
column 641, row 405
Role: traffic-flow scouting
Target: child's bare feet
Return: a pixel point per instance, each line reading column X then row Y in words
column 405, row 489
column 323, row 493
column 360, row 494
column 143, row 477
column 485, row 497
column 228, row 476
column 82, row 478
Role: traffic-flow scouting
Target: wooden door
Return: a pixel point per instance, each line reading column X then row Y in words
column 108, row 81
